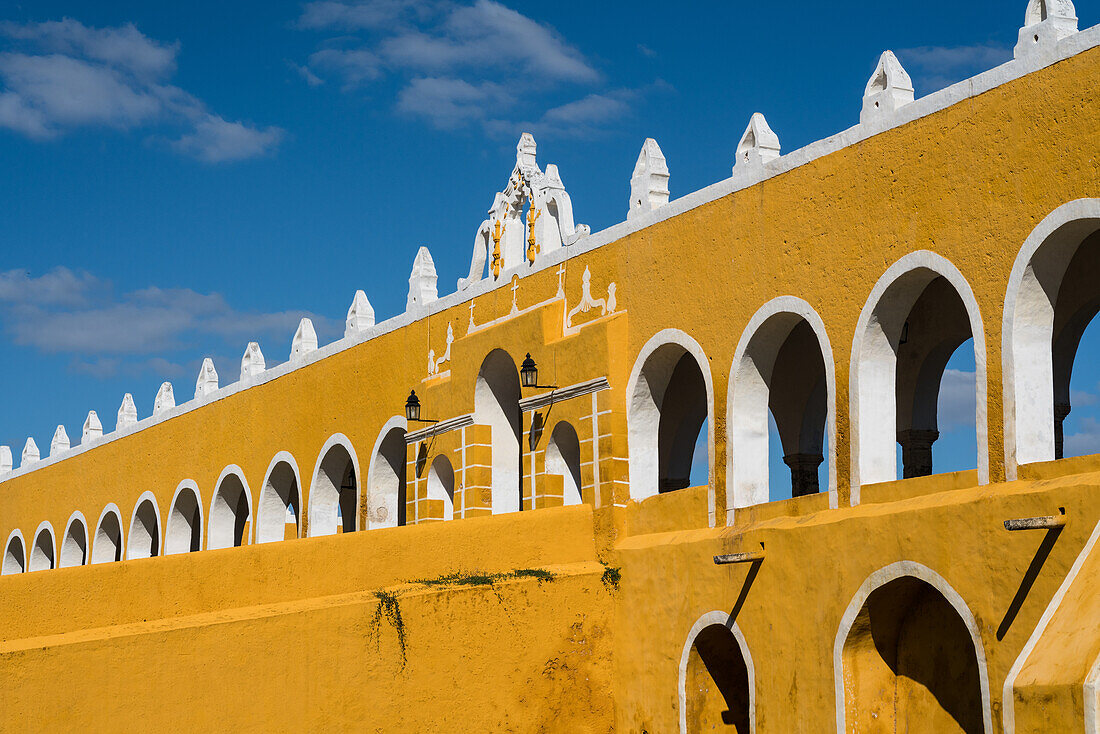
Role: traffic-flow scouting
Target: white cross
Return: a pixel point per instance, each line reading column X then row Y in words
column 515, row 287
column 561, row 281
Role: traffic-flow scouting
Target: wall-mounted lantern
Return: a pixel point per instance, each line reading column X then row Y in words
column 529, row 375
column 412, row 410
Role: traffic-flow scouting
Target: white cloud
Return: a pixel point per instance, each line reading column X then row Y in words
column 956, row 407
column 1085, row 440
column 215, row 140
column 936, row 67
column 449, row 103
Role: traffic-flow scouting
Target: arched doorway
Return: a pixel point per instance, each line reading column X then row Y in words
column 280, row 500
column 334, row 495
column 15, row 556
column 43, row 549
column 717, row 680
column 496, row 404
column 563, row 458
column 441, row 485
column 386, row 505
column 107, row 543
column 230, row 511
column 144, row 535
column 183, row 533
column 74, row 546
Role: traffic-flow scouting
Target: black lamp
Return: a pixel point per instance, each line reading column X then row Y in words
column 529, row 375
column 412, row 410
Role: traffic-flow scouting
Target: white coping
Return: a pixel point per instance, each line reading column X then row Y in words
column 1009, row 71
column 561, row 394
column 708, row 620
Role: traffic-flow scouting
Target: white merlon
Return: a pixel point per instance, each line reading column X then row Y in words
column 165, row 399
column 758, row 145
column 60, row 441
column 305, row 340
column 252, row 363
column 360, row 315
column 422, row 281
column 93, row 429
column 888, row 89
column 127, row 413
column 5, row 459
column 649, row 183
column 207, row 382
column 30, row 453
column 1045, row 23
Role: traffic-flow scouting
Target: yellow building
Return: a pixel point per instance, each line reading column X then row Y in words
column 536, row 560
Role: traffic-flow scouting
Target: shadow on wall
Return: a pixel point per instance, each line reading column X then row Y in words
column 717, row 695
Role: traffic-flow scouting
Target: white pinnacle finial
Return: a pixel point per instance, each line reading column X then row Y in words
column 165, row 399
column 888, row 89
column 60, row 441
column 92, row 430
column 422, row 280
column 525, row 151
column 127, row 413
column 5, row 459
column 758, row 145
column 208, row 379
column 30, row 453
column 1045, row 23
column 360, row 315
column 649, row 184
column 252, row 363
column 305, row 340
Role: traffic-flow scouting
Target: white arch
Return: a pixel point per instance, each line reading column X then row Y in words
column 383, row 498
column 880, row 578
column 322, row 508
column 13, row 564
column 872, row 401
column 497, row 393
column 70, row 553
column 37, row 559
column 217, row 536
column 747, row 400
column 441, row 484
column 1027, row 331
column 708, row 620
column 642, row 419
column 174, row 542
column 137, row 533
column 269, row 504
column 99, row 553
column 567, row 463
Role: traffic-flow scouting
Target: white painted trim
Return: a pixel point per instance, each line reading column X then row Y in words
column 397, row 421
column 77, row 516
column 937, row 265
column 281, row 457
column 185, row 484
column 1008, row 700
column 333, row 440
column 109, row 509
column 709, row 620
column 778, row 306
column 1074, row 211
column 146, row 495
column 43, row 527
column 880, row 578
column 438, row 429
column 22, row 544
column 1092, row 698
column 239, row 473
column 562, row 394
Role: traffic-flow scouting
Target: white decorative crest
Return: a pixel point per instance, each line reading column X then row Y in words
column 758, row 145
column 208, row 379
column 305, row 340
column 252, row 363
column 60, row 441
column 649, row 183
column 93, row 429
column 30, row 453
column 5, row 459
column 1045, row 23
column 422, row 281
column 888, row 89
column 127, row 413
column 606, row 305
column 433, row 363
column 165, row 398
column 360, row 315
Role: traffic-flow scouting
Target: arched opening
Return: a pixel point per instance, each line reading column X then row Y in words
column 496, row 404
column 144, row 530
column 334, row 496
column 42, row 550
column 563, row 459
column 669, row 406
column 107, row 543
column 386, row 486
column 918, row 315
column 441, row 485
column 230, row 512
column 781, row 402
column 15, row 557
column 279, row 502
column 910, row 663
column 717, row 683
column 74, row 547
column 183, row 533
column 1052, row 298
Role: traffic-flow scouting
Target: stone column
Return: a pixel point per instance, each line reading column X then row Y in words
column 1061, row 410
column 916, row 452
column 803, row 473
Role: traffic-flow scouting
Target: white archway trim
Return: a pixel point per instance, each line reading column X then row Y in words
column 110, row 509
column 868, row 465
column 643, row 483
column 743, row 444
column 239, row 473
column 46, row 527
column 1092, row 699
column 282, row 457
column 707, row 620
column 333, row 440
column 880, row 578
column 77, row 517
column 397, row 421
column 1008, row 700
column 22, row 544
column 1028, row 383
column 146, row 495
column 186, row 484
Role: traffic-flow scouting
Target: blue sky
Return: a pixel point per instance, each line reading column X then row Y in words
column 183, row 178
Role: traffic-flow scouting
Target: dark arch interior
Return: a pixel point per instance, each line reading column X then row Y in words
column 797, row 399
column 683, row 411
column 717, row 683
